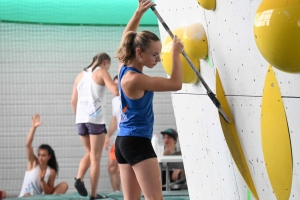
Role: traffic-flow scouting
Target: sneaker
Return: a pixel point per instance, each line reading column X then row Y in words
column 79, row 185
column 99, row 196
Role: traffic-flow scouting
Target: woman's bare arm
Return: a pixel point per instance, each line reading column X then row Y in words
column 134, row 22
column 135, row 81
column 29, row 149
column 74, row 97
column 49, row 186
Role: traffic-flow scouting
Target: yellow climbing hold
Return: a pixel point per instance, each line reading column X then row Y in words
column 208, row 4
column 189, row 75
column 277, row 30
column 275, row 137
column 195, row 41
column 232, row 138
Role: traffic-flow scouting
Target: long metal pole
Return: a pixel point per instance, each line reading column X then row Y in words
column 210, row 94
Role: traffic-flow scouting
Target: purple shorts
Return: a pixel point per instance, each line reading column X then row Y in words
column 92, row 129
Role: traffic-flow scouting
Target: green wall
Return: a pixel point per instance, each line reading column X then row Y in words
column 72, row 12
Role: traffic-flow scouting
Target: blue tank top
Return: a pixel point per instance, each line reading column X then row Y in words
column 136, row 115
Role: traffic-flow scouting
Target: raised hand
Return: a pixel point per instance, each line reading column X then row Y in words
column 177, row 46
column 36, row 120
column 42, row 175
column 144, row 5
column 106, row 143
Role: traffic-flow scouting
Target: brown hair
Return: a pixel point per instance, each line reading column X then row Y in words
column 116, row 77
column 133, row 40
column 98, row 59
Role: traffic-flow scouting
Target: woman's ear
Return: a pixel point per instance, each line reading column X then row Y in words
column 138, row 52
column 108, row 64
column 105, row 62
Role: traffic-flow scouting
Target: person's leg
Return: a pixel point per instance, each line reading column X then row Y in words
column 85, row 161
column 178, row 174
column 113, row 170
column 148, row 175
column 130, row 186
column 139, row 153
column 96, row 143
column 61, row 188
column 114, row 175
column 175, row 174
column 27, row 195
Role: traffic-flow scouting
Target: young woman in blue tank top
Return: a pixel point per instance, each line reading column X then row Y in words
column 137, row 160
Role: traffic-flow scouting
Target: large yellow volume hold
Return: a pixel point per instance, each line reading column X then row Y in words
column 189, row 75
column 276, row 144
column 277, row 30
column 195, row 41
column 232, row 138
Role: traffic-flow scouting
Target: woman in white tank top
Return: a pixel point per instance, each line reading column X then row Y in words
column 88, row 104
column 42, row 170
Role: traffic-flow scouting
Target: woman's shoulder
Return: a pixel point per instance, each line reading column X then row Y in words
column 99, row 71
column 79, row 76
column 32, row 165
column 52, row 171
column 131, row 77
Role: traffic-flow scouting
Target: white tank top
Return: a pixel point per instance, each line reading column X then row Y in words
column 91, row 100
column 116, row 104
column 31, row 183
column 116, row 111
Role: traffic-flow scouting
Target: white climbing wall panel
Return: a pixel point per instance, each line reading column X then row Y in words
column 211, row 171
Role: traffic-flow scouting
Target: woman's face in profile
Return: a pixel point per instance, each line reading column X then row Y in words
column 151, row 56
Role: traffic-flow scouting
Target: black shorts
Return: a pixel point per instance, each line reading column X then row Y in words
column 132, row 150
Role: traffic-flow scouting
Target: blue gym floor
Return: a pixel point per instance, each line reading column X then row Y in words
column 168, row 195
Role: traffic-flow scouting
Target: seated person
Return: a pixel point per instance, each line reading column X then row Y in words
column 170, row 137
column 2, row 194
column 42, row 170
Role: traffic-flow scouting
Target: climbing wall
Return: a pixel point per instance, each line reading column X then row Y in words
column 250, row 89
